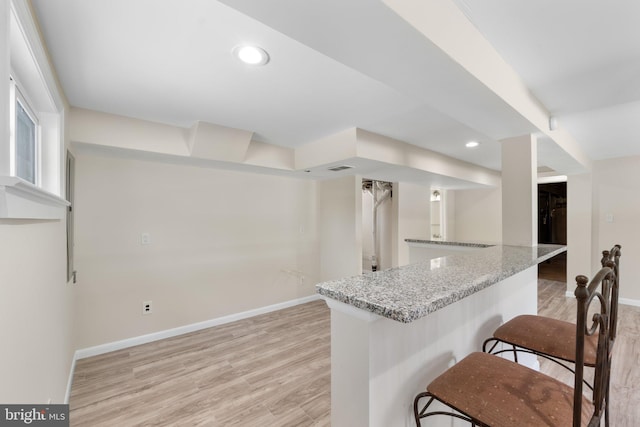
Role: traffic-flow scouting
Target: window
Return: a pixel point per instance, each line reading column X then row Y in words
column 32, row 157
column 25, row 144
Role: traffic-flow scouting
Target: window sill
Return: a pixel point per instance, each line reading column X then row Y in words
column 20, row 199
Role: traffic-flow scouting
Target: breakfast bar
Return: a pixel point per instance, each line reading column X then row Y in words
column 393, row 331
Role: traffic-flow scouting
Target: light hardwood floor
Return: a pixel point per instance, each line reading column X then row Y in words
column 274, row 370
column 625, row 375
column 270, row 370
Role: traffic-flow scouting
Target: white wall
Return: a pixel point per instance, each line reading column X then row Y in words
column 340, row 219
column 613, row 188
column 519, row 191
column 616, row 192
column 450, row 213
column 412, row 202
column 35, row 301
column 35, row 312
column 222, row 242
column 580, row 249
column 478, row 215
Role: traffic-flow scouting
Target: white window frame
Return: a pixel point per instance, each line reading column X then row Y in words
column 29, row 77
column 18, row 97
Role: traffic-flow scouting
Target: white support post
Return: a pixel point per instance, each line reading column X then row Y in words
column 520, row 191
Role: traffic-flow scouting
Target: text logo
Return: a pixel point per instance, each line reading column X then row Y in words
column 34, row 415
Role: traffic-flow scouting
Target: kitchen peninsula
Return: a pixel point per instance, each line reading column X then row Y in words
column 393, row 331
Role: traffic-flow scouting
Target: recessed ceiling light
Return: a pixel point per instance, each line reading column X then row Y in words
column 252, row 55
column 472, row 144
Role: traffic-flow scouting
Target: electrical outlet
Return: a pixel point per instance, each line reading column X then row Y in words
column 145, row 239
column 147, row 307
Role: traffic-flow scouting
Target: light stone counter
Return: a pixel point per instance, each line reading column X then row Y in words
column 410, row 292
column 446, row 243
column 395, row 330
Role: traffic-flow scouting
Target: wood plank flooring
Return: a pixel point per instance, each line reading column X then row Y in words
column 274, row 370
column 270, row 370
column 554, row 268
column 625, row 375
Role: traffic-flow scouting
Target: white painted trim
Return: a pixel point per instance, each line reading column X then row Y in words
column 29, row 28
column 21, row 199
column 552, row 179
column 625, row 301
column 629, row 301
column 50, row 170
column 67, row 395
column 27, row 188
column 155, row 336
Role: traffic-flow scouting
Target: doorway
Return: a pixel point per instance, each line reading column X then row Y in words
column 377, row 222
column 552, row 213
column 552, row 228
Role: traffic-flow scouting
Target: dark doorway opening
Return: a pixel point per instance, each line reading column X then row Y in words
column 552, row 213
column 552, row 228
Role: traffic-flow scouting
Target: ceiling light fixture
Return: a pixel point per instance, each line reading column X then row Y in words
column 252, row 55
column 472, row 144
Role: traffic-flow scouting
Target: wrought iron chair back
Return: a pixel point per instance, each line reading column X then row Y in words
column 460, row 385
column 523, row 338
column 613, row 255
column 599, row 292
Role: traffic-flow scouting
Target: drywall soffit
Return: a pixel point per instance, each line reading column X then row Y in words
column 215, row 142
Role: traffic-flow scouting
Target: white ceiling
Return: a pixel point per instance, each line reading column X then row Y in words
column 580, row 58
column 339, row 64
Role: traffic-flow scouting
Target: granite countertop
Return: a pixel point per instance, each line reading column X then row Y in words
column 448, row 243
column 413, row 291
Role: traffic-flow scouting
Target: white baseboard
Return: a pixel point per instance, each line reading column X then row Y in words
column 629, row 301
column 67, row 395
column 130, row 342
column 625, row 301
column 155, row 336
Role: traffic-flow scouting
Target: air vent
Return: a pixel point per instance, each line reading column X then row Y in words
column 340, row 168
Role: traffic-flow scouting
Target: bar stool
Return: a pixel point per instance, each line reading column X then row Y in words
column 554, row 339
column 487, row 390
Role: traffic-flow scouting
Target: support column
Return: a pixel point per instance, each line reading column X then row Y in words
column 580, row 232
column 520, row 191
